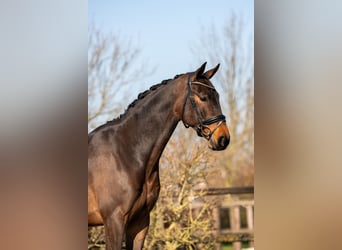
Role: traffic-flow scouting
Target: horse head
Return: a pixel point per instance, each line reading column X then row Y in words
column 201, row 108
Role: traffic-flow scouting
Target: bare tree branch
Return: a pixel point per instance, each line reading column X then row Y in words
column 233, row 48
column 112, row 65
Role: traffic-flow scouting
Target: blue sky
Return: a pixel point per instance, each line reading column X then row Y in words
column 166, row 30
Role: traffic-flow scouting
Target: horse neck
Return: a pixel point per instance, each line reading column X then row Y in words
column 151, row 123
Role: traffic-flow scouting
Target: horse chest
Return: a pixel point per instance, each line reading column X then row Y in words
column 153, row 189
column 149, row 195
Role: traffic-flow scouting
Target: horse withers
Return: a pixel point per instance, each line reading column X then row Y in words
column 123, row 154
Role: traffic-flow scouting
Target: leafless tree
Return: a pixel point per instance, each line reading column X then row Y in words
column 113, row 62
column 233, row 48
column 182, row 218
column 187, row 164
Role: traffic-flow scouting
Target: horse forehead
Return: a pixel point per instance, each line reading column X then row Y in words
column 204, row 81
column 205, row 86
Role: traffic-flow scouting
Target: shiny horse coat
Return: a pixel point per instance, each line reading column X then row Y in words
column 123, row 154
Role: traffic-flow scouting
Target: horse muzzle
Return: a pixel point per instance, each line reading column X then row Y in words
column 220, row 139
column 221, row 144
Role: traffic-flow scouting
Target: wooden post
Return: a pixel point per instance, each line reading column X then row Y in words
column 217, row 226
column 235, row 224
column 250, row 223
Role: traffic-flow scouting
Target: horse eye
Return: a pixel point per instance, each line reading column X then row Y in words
column 203, row 98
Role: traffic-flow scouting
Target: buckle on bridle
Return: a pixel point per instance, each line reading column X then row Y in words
column 204, row 131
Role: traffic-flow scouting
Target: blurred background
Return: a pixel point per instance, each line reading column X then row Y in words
column 132, row 46
column 44, row 110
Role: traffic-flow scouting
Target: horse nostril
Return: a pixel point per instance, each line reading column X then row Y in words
column 223, row 141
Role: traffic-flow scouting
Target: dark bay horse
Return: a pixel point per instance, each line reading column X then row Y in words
column 123, row 154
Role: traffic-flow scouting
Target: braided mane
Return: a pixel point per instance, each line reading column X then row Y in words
column 141, row 96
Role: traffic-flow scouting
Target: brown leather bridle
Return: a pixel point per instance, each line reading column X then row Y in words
column 202, row 126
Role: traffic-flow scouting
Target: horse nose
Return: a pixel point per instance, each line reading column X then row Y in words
column 224, row 141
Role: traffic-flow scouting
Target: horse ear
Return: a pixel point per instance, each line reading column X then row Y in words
column 200, row 70
column 209, row 74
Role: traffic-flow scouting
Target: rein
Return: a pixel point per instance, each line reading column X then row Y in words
column 201, row 128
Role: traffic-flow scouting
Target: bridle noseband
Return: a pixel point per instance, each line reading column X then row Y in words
column 202, row 126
